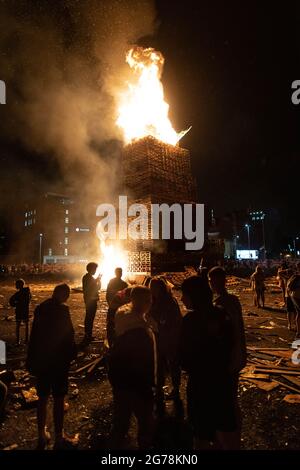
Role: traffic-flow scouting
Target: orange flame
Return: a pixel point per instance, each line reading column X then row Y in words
column 143, row 110
column 112, row 257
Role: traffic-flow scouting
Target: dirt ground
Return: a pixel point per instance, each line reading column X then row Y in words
column 269, row 422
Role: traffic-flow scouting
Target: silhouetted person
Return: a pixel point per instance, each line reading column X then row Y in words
column 50, row 352
column 3, row 395
column 115, row 285
column 20, row 301
column 238, row 356
column 258, row 286
column 132, row 370
column 205, row 349
column 284, row 274
column 167, row 316
column 293, row 290
column 90, row 287
column 281, row 281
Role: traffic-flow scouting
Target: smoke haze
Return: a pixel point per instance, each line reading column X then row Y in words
column 63, row 65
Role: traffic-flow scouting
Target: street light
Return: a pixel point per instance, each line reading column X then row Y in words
column 41, row 240
column 247, row 226
column 235, row 240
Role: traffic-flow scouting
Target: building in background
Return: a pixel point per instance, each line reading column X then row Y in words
column 55, row 232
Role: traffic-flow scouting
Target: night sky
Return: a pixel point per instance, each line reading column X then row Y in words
column 233, row 84
column 228, row 73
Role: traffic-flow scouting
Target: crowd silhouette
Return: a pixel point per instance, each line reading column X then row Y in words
column 149, row 339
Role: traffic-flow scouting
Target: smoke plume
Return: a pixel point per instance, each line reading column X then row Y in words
column 63, row 64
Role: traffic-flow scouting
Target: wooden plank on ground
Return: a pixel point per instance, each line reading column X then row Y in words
column 266, row 386
column 290, row 399
column 256, row 348
column 287, row 386
column 86, row 366
column 276, row 371
column 292, row 379
column 94, row 365
column 255, row 376
column 260, row 355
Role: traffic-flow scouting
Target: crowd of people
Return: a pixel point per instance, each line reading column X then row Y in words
column 233, row 267
column 148, row 340
column 37, row 270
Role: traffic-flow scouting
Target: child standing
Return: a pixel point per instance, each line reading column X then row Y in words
column 20, row 301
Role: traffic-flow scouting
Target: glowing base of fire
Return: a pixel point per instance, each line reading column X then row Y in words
column 112, row 257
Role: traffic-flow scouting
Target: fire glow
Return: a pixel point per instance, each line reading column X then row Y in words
column 112, row 257
column 142, row 110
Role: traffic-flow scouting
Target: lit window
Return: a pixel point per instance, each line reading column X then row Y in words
column 67, row 220
column 50, row 251
column 66, row 229
column 67, row 211
column 25, row 214
column 34, row 211
column 66, row 251
column 25, row 223
column 34, row 221
column 66, row 241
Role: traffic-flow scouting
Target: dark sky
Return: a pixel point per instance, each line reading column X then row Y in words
column 228, row 73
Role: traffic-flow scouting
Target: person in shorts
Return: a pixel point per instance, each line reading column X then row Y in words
column 20, row 301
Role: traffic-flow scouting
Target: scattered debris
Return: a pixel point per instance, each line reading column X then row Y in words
column 262, row 355
column 74, row 393
column 30, row 397
column 281, row 339
column 267, row 386
column 66, row 406
column 95, row 364
column 11, row 447
column 92, row 365
column 292, row 379
column 9, row 318
column 277, row 371
column 85, row 417
column 266, row 327
column 255, row 376
column 292, row 398
column 287, row 386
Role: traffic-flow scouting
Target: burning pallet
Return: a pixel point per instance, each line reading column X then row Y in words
column 155, row 172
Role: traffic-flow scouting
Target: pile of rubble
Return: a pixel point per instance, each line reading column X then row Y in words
column 270, row 368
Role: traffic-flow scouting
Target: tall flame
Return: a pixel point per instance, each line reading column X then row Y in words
column 143, row 110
